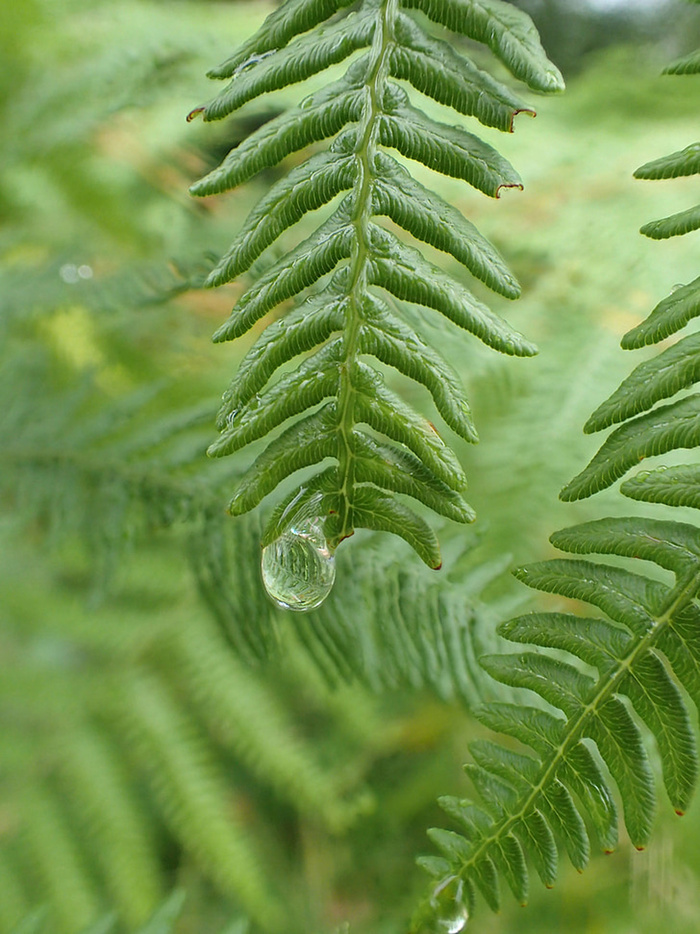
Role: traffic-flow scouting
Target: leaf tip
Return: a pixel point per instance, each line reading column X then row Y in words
column 518, row 185
column 195, row 113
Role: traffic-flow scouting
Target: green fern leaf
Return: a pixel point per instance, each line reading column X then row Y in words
column 672, row 545
column 507, row 31
column 688, row 65
column 666, row 428
column 674, row 226
column 192, row 793
column 669, row 316
column 628, row 671
column 644, row 618
column 685, row 162
column 337, row 268
column 673, row 486
column 656, row 379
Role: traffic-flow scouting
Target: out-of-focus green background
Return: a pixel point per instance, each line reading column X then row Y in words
column 138, row 750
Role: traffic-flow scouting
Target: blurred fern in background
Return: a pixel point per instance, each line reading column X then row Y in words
column 161, row 724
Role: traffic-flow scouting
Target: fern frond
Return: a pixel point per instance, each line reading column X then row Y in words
column 601, row 682
column 663, row 428
column 114, row 824
column 350, row 256
column 641, row 652
column 250, row 722
column 191, row 791
column 672, row 486
column 57, row 862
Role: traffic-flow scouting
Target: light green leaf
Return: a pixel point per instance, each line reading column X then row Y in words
column 306, row 442
column 446, row 149
column 433, row 67
column 326, row 114
column 307, row 56
column 674, row 226
column 688, row 65
column 313, row 258
column 306, row 188
column 685, row 162
column 291, row 19
column 664, row 429
column 663, row 376
column 402, row 270
column 671, row 545
column 425, row 215
column 315, row 380
column 373, row 510
column 669, row 316
column 506, row 30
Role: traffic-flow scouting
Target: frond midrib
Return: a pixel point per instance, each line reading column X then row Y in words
column 363, row 197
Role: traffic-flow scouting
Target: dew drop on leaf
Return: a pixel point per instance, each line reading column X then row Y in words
column 678, row 285
column 298, row 569
column 449, row 905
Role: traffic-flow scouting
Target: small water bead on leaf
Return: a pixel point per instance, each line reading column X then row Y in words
column 298, row 568
column 678, row 285
column 253, row 60
column 449, row 903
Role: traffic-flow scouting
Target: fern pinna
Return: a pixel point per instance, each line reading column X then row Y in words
column 645, row 649
column 352, row 260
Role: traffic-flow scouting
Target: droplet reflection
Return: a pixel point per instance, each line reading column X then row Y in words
column 298, row 569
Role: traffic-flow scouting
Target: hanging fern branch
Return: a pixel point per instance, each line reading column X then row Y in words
column 351, row 259
column 639, row 660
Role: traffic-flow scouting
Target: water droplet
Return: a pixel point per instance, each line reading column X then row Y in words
column 231, row 417
column 450, row 906
column 678, row 285
column 306, row 103
column 252, row 60
column 298, row 569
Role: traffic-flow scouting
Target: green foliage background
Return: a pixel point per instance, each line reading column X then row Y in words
column 147, row 738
